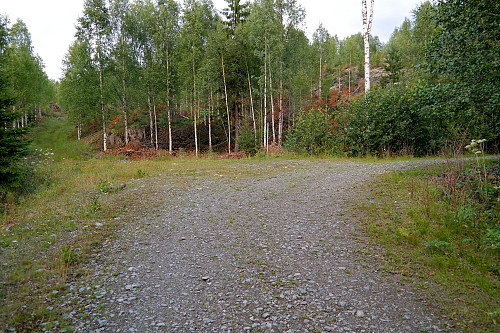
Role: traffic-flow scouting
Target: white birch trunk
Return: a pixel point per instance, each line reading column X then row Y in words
column 169, row 128
column 320, row 71
column 124, row 90
column 210, row 108
column 280, row 117
column 367, row 27
column 227, row 107
column 272, row 106
column 167, row 73
column 101, row 91
column 103, row 114
column 265, row 101
column 150, row 117
column 251, row 102
column 156, row 127
column 195, row 109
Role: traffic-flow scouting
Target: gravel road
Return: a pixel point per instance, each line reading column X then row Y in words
column 264, row 247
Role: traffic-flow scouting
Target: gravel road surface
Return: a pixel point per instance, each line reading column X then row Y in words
column 265, row 246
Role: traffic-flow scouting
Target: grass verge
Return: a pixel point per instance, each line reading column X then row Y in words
column 439, row 227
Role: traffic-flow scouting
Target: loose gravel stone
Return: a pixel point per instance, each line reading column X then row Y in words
column 264, row 251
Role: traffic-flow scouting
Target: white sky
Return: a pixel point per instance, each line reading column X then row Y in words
column 52, row 22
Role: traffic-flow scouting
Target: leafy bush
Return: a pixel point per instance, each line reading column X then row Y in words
column 379, row 123
column 409, row 120
column 313, row 132
column 247, row 141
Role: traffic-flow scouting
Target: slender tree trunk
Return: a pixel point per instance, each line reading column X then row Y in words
column 251, row 101
column 169, row 127
column 167, row 73
column 236, row 124
column 320, row 71
column 349, row 77
column 339, row 80
column 195, row 131
column 210, row 109
column 220, row 118
column 227, row 106
column 103, row 114
column 79, row 127
column 272, row 105
column 264, row 127
column 195, row 104
column 156, row 127
column 280, row 118
column 367, row 27
column 150, row 117
column 124, row 88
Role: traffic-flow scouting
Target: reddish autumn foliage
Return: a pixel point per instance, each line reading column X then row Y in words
column 135, row 151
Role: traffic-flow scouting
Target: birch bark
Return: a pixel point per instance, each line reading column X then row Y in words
column 367, row 27
column 227, row 106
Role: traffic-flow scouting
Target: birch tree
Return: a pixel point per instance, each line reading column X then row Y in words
column 95, row 26
column 79, row 84
column 367, row 27
column 168, row 28
column 265, row 38
column 235, row 15
column 120, row 9
column 320, row 41
column 198, row 19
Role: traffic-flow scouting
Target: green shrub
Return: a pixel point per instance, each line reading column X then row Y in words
column 401, row 120
column 313, row 132
column 247, row 141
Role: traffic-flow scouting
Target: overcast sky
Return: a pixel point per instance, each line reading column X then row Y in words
column 52, row 22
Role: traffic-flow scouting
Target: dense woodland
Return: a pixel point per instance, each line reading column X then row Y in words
column 186, row 77
column 161, row 74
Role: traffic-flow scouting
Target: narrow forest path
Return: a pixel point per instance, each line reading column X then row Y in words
column 274, row 249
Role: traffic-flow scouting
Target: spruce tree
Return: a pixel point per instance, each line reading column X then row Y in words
column 13, row 146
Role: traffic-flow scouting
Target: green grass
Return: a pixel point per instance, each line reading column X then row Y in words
column 427, row 239
column 56, row 135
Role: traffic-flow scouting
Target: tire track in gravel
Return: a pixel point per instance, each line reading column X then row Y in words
column 271, row 253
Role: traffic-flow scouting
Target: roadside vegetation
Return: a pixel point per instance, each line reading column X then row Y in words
column 439, row 228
